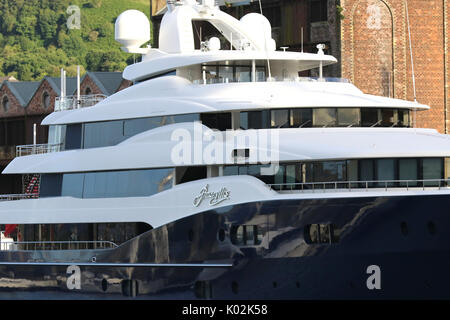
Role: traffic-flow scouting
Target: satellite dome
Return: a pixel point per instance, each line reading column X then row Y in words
column 132, row 29
column 259, row 29
column 214, row 44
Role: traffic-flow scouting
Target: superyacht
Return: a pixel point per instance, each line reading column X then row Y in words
column 223, row 174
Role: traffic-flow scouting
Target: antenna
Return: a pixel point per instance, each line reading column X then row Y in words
column 302, row 38
column 412, row 59
column 265, row 44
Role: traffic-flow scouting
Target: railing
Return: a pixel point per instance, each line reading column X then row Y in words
column 71, row 102
column 274, row 79
column 57, row 245
column 385, row 185
column 11, row 197
column 25, row 150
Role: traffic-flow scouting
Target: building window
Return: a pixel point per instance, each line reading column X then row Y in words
column 88, row 91
column 319, row 10
column 45, row 99
column 5, row 103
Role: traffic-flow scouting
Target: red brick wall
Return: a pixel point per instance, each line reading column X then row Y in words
column 36, row 105
column 374, row 38
column 15, row 109
column 89, row 83
column 125, row 84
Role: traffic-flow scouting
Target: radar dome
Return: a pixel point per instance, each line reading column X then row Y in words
column 259, row 29
column 214, row 44
column 132, row 29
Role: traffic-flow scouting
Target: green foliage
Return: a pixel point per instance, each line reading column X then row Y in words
column 35, row 40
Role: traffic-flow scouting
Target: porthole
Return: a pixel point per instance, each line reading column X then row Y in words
column 191, row 235
column 245, row 235
column 234, row 287
column 104, row 285
column 5, row 103
column 221, row 235
column 431, row 227
column 404, row 228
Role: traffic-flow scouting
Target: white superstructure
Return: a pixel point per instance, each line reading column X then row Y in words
column 237, row 80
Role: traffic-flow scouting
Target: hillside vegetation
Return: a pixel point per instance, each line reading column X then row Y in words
column 35, row 40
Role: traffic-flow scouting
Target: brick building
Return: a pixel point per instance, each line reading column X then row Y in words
column 376, row 54
column 105, row 83
column 23, row 104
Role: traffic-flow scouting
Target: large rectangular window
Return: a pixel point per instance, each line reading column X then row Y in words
column 73, row 136
column 101, row 134
column 254, row 119
column 243, row 74
column 369, row 117
column 348, row 117
column 279, row 118
column 72, row 185
column 324, row 117
column 432, row 169
column 386, row 172
column 403, row 118
column 408, row 171
column 366, row 172
column 111, row 184
column 301, row 118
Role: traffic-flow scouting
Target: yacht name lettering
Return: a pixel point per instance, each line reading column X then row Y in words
column 216, row 197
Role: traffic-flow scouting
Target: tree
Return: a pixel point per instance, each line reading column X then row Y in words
column 48, row 25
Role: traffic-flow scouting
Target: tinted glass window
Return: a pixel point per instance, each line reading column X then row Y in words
column 366, row 168
column 324, row 117
column 408, row 170
column 388, row 117
column 330, row 171
column 226, row 74
column 369, row 117
column 348, row 117
column 72, row 185
column 432, row 169
column 132, row 183
column 73, row 136
column 50, row 185
column 301, row 118
column 135, row 126
column 243, row 74
column 279, row 118
column 100, row 134
column 403, row 118
column 385, row 171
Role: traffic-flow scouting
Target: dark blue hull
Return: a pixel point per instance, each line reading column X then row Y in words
column 406, row 238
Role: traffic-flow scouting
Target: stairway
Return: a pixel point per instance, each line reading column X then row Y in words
column 31, row 184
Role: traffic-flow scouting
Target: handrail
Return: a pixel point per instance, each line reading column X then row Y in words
column 72, row 102
column 362, row 185
column 57, row 245
column 29, row 149
column 272, row 79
